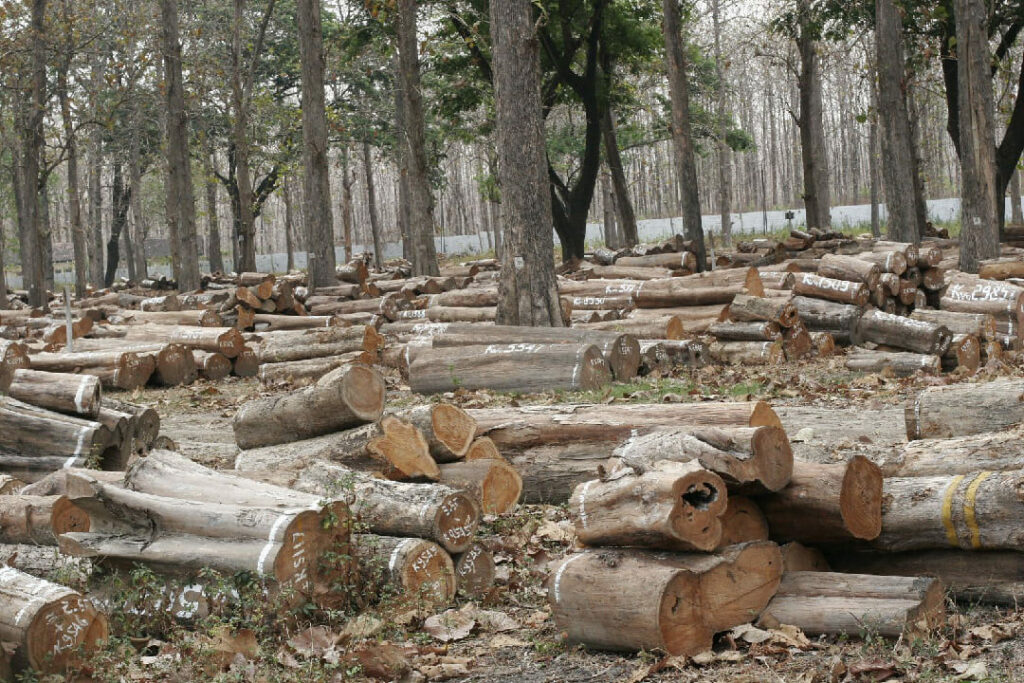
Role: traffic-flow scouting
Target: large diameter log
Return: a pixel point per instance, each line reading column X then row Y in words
column 970, row 294
column 311, row 369
column 826, row 316
column 434, row 511
column 474, row 571
column 842, row 291
column 981, row 325
column 742, row 522
column 827, row 503
column 212, row 366
column 65, row 393
column 636, row 600
column 902, row 364
column 146, row 421
column 962, row 409
column 225, row 340
column 745, row 308
column 918, row 336
column 747, row 353
column 38, row 519
column 343, row 398
column 993, row 451
column 993, row 577
column 671, row 506
column 448, row 429
column 521, row 368
column 53, row 627
column 289, row 345
column 116, row 369
column 411, row 568
column 493, row 483
column 981, row 510
column 839, row 267
column 175, row 365
column 36, row 433
column 831, row 603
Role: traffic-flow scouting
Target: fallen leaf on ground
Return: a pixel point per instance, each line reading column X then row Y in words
column 502, row 641
column 363, row 626
column 970, row 671
column 450, row 625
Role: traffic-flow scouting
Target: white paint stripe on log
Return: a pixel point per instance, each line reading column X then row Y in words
column 558, row 577
column 80, row 394
column 396, row 552
column 272, row 538
column 583, row 501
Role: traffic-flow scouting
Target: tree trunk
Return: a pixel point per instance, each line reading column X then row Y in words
column 346, row 202
column 74, row 196
column 623, row 203
column 371, row 205
column 873, row 158
column 724, row 152
column 978, row 195
column 181, row 210
column 95, row 237
column 813, row 147
column 246, row 226
column 528, row 294
column 213, row 248
column 289, row 225
column 682, row 135
column 119, row 199
column 898, row 159
column 1016, row 215
column 27, row 176
column 413, row 136
column 138, row 227
column 316, row 199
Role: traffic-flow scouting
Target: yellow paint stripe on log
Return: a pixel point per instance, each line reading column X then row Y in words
column 947, row 511
column 969, row 516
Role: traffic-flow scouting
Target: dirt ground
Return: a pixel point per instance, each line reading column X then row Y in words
column 509, row 635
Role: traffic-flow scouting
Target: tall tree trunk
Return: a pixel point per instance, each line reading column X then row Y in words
column 27, row 174
column 979, row 238
column 316, row 200
column 724, row 152
column 346, row 202
column 289, row 225
column 527, row 292
column 682, row 135
column 138, row 227
column 119, row 199
column 402, row 161
column 95, row 236
column 181, row 210
column 371, row 205
column 876, row 228
column 1015, row 207
column 213, row 247
column 623, row 203
column 898, row 156
column 71, row 144
column 421, row 201
column 45, row 236
column 246, row 227
column 611, row 233
column 814, row 151
column 4, row 303
column 493, row 204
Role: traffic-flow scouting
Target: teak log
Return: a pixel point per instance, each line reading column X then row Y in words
column 306, row 371
column 343, row 398
column 38, row 433
column 993, row 451
column 747, row 353
column 745, row 308
column 225, row 340
column 842, row 291
column 635, row 600
column 494, row 484
column 212, row 366
column 827, row 503
column 448, row 429
column 970, row 294
column 856, row 604
column 289, row 345
column 38, row 519
column 962, row 409
column 963, row 352
column 474, row 571
column 519, row 368
column 797, row 557
column 742, row 522
column 902, row 364
column 53, row 627
column 13, row 355
column 981, row 325
column 827, row 316
column 746, row 331
column 71, row 394
column 851, row 268
column 116, row 369
column 413, row 568
column 918, row 336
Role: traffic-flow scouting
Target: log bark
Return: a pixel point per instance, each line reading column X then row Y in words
column 839, row 267
column 830, row 603
column 307, row 371
column 980, row 325
column 746, row 331
column 345, row 397
column 902, row 364
column 753, row 308
column 987, row 451
column 913, row 335
column 39, row 433
column 53, row 627
column 521, row 368
column 495, row 485
column 826, row 316
column 278, row 347
column 70, row 394
column 116, row 369
column 747, row 353
column 962, row 409
column 225, row 340
column 827, row 503
column 970, row 294
column 411, row 568
column 842, row 291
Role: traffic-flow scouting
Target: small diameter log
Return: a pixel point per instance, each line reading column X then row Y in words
column 225, row 340
column 412, row 568
column 71, row 394
column 38, row 519
column 392, row 508
column 343, row 398
column 977, row 511
column 212, row 366
column 962, row 409
column 483, row 448
column 913, row 335
column 827, row 503
column 448, row 429
column 963, row 352
column 493, row 483
column 745, row 308
column 992, row 578
column 305, row 371
column 993, row 451
column 521, row 368
column 851, row 268
column 742, row 522
column 653, row 358
column 634, row 600
column 981, row 325
column 278, row 347
column 746, row 331
column 856, row 604
column 747, row 353
column 672, row 506
column 902, row 364
column 797, row 557
column 797, row 342
column 842, row 291
column 824, row 344
column 840, row 320
column 673, row 261
column 246, row 364
column 13, row 355
column 53, row 627
column 474, row 571
column 116, row 369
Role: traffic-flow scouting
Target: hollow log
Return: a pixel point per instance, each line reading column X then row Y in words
column 493, row 483
column 841, row 291
column 70, row 394
column 53, row 627
column 902, row 364
column 745, row 308
column 474, row 571
column 856, row 604
column 962, row 409
column 411, row 568
column 343, row 398
column 827, row 503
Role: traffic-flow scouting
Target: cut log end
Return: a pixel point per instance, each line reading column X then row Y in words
column 771, row 447
column 474, row 570
column 592, row 370
column 453, row 427
column 860, row 500
column 61, row 631
column 363, row 392
column 67, row 517
column 456, row 521
column 483, row 449
column 700, row 503
column 309, row 537
column 404, row 449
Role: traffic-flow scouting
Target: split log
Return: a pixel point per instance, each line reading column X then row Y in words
column 53, row 627
column 830, row 603
column 850, row 268
column 962, row 409
column 745, row 308
column 116, row 369
column 343, row 398
column 842, row 291
column 980, row 510
column 522, row 368
column 278, row 347
column 212, row 366
column 440, row 513
column 747, row 353
column 70, row 394
column 902, row 364
column 474, row 571
column 411, row 568
column 918, row 336
column 796, row 557
column 304, row 371
column 260, row 284
column 839, row 320
column 827, row 503
column 742, row 522
column 493, row 483
column 746, row 331
column 38, row 519
column 635, row 600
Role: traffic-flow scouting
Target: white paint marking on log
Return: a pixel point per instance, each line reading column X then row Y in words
column 558, row 577
column 917, row 417
column 576, row 368
column 286, row 518
column 393, row 560
column 583, row 502
column 80, row 394
column 78, row 449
